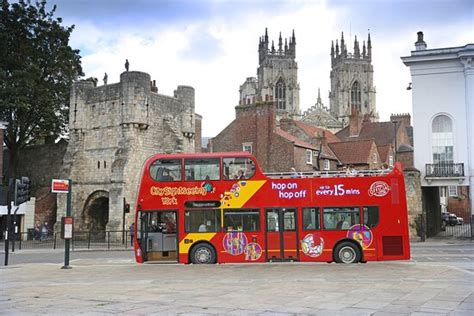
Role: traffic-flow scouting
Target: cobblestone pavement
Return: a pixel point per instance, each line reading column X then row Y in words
column 118, row 285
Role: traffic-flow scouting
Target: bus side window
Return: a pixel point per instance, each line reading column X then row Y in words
column 310, row 218
column 238, row 168
column 371, row 216
column 166, row 170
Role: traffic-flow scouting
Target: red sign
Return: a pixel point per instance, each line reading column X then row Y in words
column 60, row 186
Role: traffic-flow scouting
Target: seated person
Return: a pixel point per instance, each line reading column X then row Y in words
column 346, row 223
column 166, row 176
column 202, row 228
column 240, row 174
column 153, row 227
column 170, row 225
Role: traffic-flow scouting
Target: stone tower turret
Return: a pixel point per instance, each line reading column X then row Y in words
column 352, row 81
column 277, row 76
column 113, row 128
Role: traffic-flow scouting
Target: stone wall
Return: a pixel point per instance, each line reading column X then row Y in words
column 414, row 204
column 406, row 158
column 113, row 129
column 41, row 163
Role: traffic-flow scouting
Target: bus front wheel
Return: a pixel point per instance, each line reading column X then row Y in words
column 347, row 252
column 203, row 254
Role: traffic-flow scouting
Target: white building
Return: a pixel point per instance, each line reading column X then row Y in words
column 443, row 116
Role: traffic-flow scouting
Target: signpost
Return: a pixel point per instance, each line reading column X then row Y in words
column 65, row 186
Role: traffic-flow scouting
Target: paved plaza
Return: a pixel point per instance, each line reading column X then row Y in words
column 118, row 285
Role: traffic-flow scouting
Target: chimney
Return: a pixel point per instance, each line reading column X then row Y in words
column 324, row 140
column 354, row 123
column 420, row 43
column 404, row 117
column 286, row 123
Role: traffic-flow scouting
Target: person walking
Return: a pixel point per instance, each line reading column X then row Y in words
column 44, row 231
column 132, row 233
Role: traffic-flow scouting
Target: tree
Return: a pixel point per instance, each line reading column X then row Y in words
column 37, row 69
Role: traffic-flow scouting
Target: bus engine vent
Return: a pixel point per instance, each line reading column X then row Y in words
column 392, row 245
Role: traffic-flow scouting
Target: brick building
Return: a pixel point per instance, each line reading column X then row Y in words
column 361, row 154
column 277, row 146
column 397, row 133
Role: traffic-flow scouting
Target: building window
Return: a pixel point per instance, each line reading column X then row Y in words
column 390, row 161
column 247, row 147
column 453, row 190
column 309, row 156
column 374, row 158
column 327, row 164
column 355, row 95
column 280, row 94
column 442, row 136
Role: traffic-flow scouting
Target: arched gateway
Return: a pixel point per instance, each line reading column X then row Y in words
column 95, row 214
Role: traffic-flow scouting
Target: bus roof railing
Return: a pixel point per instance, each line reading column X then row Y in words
column 327, row 174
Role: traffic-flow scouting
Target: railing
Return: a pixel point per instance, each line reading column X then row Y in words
column 458, row 226
column 443, row 170
column 327, row 174
column 103, row 240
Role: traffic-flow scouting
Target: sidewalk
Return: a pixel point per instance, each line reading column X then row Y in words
column 95, row 286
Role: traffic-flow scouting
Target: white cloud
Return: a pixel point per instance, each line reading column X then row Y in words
column 215, row 54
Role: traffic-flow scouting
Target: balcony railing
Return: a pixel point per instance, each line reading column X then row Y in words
column 445, row 170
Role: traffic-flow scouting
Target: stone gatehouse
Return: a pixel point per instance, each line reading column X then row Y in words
column 113, row 128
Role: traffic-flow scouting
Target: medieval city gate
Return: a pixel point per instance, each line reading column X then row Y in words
column 95, row 215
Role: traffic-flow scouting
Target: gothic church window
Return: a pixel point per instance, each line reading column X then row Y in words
column 280, row 94
column 356, row 95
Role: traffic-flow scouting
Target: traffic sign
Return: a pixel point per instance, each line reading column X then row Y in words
column 60, row 186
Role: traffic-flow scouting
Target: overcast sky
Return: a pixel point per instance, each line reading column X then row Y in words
column 212, row 45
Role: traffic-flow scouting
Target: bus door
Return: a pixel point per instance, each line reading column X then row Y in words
column 281, row 234
column 158, row 236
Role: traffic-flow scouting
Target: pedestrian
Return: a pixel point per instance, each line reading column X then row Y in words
column 37, row 232
column 132, row 233
column 44, row 231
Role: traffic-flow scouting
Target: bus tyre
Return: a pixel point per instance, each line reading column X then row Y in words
column 347, row 252
column 203, row 254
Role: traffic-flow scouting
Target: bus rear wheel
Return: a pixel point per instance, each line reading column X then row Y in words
column 203, row 254
column 347, row 252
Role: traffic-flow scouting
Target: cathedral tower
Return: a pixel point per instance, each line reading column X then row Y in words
column 352, row 80
column 277, row 76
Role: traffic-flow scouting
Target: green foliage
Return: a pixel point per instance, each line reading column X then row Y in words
column 37, row 68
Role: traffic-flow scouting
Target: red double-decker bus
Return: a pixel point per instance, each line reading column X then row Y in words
column 220, row 207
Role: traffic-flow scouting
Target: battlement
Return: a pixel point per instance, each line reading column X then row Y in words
column 284, row 50
column 138, row 77
column 401, row 117
column 340, row 52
